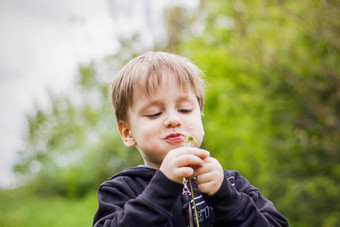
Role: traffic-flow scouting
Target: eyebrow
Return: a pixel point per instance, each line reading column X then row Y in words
column 179, row 99
column 158, row 102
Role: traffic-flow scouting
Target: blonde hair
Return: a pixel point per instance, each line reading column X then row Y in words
column 147, row 72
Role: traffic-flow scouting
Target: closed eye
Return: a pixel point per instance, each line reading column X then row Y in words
column 185, row 111
column 153, row 115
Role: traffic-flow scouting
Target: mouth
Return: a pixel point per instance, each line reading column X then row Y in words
column 175, row 137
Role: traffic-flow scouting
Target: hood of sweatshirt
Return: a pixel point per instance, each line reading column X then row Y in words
column 143, row 172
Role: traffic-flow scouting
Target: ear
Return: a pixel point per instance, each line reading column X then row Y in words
column 124, row 132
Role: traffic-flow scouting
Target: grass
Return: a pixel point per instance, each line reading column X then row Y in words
column 22, row 209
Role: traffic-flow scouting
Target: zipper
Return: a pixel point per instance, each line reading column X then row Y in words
column 187, row 205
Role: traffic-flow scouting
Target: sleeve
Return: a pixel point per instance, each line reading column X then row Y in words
column 240, row 204
column 151, row 208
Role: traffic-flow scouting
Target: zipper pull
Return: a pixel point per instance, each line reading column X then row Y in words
column 185, row 187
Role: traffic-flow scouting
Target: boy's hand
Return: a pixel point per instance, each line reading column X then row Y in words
column 180, row 162
column 209, row 177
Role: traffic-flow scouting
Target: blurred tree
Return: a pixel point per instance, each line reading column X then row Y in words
column 272, row 109
column 73, row 146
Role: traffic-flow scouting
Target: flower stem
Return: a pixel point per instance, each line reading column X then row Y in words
column 189, row 141
column 193, row 201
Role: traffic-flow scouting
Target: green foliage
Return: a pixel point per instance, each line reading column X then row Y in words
column 73, row 146
column 20, row 209
column 272, row 108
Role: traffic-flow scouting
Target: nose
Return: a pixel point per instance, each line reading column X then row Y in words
column 172, row 120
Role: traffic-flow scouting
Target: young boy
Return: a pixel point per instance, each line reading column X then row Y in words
column 158, row 102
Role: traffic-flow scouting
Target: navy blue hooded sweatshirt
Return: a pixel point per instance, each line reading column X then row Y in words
column 141, row 196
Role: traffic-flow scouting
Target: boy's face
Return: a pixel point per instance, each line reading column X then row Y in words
column 160, row 122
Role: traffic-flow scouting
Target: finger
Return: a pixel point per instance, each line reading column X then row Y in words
column 205, row 168
column 204, row 178
column 207, row 188
column 210, row 164
column 211, row 160
column 184, row 172
column 194, row 151
column 203, row 154
column 189, row 160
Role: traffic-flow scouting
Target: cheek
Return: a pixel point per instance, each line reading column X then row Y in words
column 197, row 121
column 199, row 130
column 148, row 130
column 198, row 134
column 196, row 127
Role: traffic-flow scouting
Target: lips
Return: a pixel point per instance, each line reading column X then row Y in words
column 175, row 137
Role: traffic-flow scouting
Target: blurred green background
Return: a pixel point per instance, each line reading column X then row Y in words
column 272, row 111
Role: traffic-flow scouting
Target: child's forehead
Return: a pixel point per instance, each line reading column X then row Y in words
column 150, row 92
